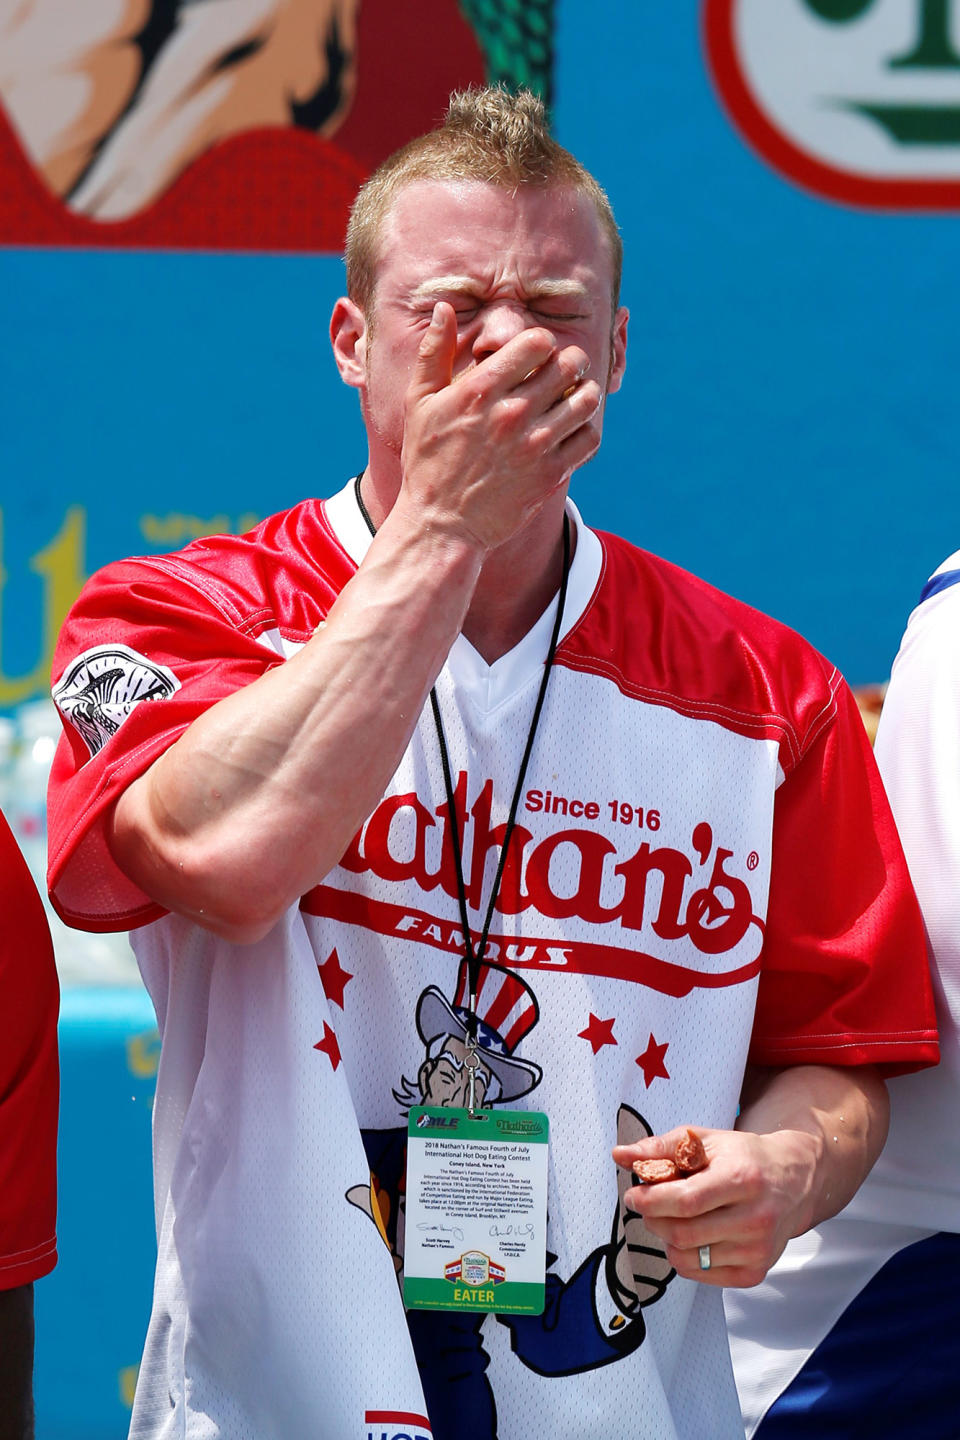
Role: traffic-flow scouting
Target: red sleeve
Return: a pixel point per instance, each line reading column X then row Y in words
column 845, row 978
column 29, row 1077
column 149, row 645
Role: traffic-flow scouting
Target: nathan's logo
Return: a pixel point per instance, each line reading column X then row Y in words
column 572, row 873
column 858, row 100
column 474, row 1269
column 516, row 1125
column 396, row 1425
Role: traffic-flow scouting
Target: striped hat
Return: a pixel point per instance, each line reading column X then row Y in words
column 506, row 1011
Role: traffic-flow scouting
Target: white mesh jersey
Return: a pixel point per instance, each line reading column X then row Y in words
column 918, row 751
column 703, row 870
column 914, row 1188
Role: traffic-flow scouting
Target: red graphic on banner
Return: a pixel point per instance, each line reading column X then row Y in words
column 193, row 137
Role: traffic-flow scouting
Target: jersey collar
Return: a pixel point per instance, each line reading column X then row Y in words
column 490, row 685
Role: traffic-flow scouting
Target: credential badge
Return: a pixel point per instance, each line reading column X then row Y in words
column 97, row 692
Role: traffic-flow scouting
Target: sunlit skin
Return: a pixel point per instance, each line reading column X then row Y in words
column 504, row 262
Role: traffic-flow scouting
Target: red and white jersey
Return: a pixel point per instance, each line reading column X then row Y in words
column 29, row 1076
column 704, row 870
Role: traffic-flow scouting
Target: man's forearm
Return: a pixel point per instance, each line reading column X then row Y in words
column 16, row 1363
column 805, row 1139
column 833, row 1123
column 260, row 797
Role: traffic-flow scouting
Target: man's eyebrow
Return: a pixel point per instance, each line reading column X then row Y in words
column 544, row 289
column 444, row 285
column 560, row 289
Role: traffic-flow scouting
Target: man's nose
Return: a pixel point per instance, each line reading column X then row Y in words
column 496, row 324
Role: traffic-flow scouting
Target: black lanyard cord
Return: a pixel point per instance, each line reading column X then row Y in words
column 474, row 956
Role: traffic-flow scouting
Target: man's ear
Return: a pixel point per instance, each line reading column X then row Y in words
column 348, row 336
column 618, row 361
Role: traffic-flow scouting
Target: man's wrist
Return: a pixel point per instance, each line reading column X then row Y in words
column 440, row 537
column 803, row 1152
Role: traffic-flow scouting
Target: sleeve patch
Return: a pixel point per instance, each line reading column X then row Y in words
column 98, row 690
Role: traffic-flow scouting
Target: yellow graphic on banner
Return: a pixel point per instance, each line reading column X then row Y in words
column 60, row 566
column 177, row 529
column 127, row 1384
column 143, row 1053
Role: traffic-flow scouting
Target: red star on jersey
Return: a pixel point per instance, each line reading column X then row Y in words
column 329, row 1045
column 334, row 978
column 598, row 1032
column 651, row 1061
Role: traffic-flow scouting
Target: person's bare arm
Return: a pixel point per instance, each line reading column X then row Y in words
column 805, row 1140
column 260, row 797
column 16, row 1363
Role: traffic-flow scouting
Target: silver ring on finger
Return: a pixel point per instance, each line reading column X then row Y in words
column 704, row 1253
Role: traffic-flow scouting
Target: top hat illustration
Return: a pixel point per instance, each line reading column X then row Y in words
column 506, row 1010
